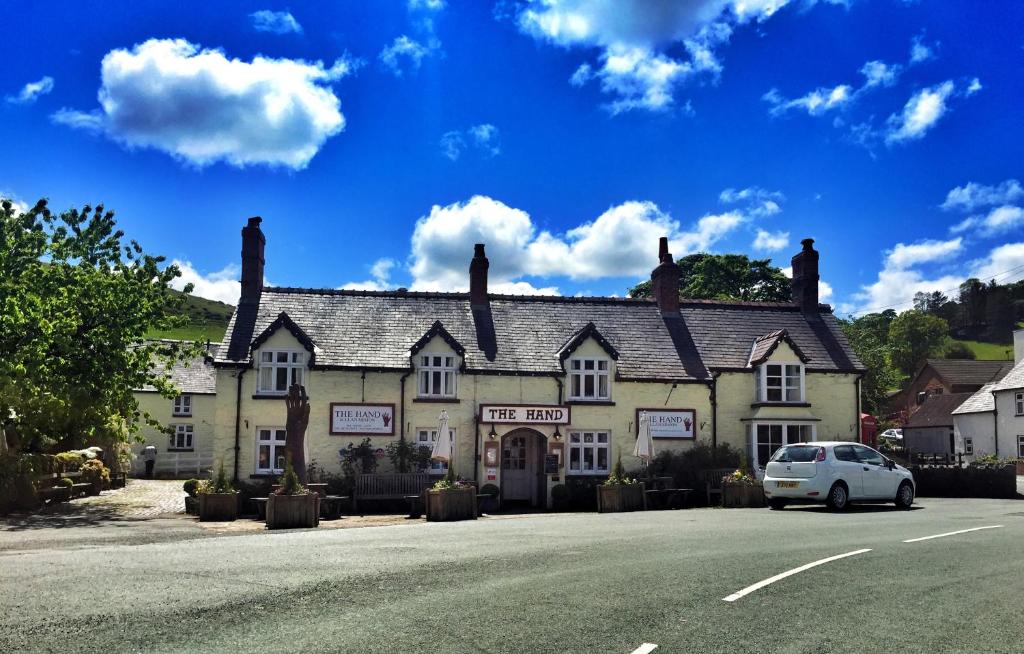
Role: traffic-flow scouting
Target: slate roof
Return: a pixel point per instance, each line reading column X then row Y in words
column 523, row 334
column 195, row 376
column 764, row 345
column 982, row 401
column 937, row 411
column 969, row 371
column 1013, row 379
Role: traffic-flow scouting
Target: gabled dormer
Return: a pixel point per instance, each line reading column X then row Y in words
column 779, row 366
column 589, row 361
column 281, row 354
column 437, row 359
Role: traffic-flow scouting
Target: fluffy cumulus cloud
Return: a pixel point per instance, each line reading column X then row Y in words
column 380, row 277
column 815, row 103
column 997, row 221
column 770, row 242
column 484, row 139
column 974, row 196
column 920, row 51
column 621, row 242
column 921, row 113
column 221, row 285
column 275, row 22
column 405, row 55
column 201, row 107
column 31, row 91
column 645, row 50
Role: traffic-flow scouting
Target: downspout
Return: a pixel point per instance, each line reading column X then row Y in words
column 401, row 406
column 860, row 426
column 713, row 388
column 238, row 420
column 995, row 421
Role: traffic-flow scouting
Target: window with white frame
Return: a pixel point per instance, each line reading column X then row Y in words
column 181, row 439
column 968, row 446
column 182, row 406
column 270, row 450
column 437, row 374
column 426, row 438
column 1019, row 402
column 589, row 452
column 589, row 379
column 769, row 437
column 782, row 382
column 1020, row 446
column 279, row 369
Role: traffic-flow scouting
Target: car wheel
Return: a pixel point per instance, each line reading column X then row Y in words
column 776, row 505
column 905, row 495
column 838, row 497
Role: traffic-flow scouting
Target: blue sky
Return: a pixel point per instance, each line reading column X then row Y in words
column 379, row 140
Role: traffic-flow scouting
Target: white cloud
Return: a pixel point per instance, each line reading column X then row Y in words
column 1004, row 264
column 634, row 39
column 31, row 91
column 903, row 256
column 380, row 277
column 452, row 145
column 973, row 87
column 919, row 51
column 406, row 54
column 770, row 242
column 201, row 107
column 815, row 103
column 485, row 138
column 17, row 205
column 275, row 22
column 973, row 196
column 921, row 113
column 898, row 280
column 426, row 5
column 757, row 201
column 222, row 285
column 879, row 73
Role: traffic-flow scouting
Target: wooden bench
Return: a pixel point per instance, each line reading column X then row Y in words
column 712, row 481
column 392, row 486
column 667, row 498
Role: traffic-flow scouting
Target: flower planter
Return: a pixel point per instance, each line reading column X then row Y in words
column 218, row 507
column 293, row 511
column 451, row 504
column 742, row 496
column 620, row 497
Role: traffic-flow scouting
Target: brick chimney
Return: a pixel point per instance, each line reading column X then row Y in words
column 665, row 280
column 805, row 277
column 253, row 244
column 478, row 277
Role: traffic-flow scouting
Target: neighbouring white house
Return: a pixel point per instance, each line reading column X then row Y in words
column 991, row 421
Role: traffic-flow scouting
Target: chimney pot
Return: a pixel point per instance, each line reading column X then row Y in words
column 253, row 246
column 805, row 277
column 478, row 277
column 665, row 280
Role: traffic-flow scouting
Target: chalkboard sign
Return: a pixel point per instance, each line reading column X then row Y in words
column 550, row 464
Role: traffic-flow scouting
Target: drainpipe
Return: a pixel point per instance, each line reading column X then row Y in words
column 401, row 406
column 558, row 380
column 860, row 432
column 713, row 388
column 238, row 419
column 995, row 421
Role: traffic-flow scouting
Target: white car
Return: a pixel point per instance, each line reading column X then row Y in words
column 892, row 434
column 835, row 473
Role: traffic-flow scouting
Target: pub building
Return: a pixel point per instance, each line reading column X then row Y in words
column 537, row 389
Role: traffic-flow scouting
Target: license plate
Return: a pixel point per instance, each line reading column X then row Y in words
column 788, row 484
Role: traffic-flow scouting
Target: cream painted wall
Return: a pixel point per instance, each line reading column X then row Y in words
column 203, row 421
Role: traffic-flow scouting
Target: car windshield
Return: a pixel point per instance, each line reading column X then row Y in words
column 796, row 454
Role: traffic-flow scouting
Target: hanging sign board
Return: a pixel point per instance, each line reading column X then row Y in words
column 670, row 423
column 368, row 419
column 551, row 464
column 524, row 414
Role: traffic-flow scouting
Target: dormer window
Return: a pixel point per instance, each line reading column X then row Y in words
column 782, row 382
column 279, row 369
column 588, row 379
column 437, row 373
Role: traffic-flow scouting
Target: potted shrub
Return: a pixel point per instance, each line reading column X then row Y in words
column 218, row 499
column 620, row 492
column 191, row 488
column 97, row 474
column 740, row 490
column 292, row 505
column 451, row 499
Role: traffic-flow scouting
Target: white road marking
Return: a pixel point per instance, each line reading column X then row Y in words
column 646, row 648
column 951, row 533
column 771, row 580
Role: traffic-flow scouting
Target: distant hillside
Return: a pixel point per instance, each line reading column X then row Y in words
column 207, row 320
column 990, row 351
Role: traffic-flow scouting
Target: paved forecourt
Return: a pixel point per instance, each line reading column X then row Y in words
column 566, row 583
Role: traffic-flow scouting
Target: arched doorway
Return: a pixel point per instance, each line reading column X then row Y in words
column 522, row 467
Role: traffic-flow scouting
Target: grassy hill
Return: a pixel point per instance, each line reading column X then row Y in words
column 990, row 351
column 207, row 320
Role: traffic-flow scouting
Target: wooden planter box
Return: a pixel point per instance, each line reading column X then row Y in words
column 219, row 507
column 620, row 497
column 451, row 504
column 293, row 511
column 742, row 496
column 192, row 505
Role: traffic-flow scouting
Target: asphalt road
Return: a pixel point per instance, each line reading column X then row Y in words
column 565, row 583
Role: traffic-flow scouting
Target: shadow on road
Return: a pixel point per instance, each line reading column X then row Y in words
column 853, row 509
column 65, row 515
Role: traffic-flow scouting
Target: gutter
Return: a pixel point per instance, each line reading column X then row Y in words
column 238, row 418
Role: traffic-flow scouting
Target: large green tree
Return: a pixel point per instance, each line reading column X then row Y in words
column 869, row 337
column 75, row 305
column 915, row 336
column 726, row 277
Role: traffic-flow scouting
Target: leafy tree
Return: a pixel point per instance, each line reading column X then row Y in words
column 913, row 337
column 869, row 337
column 929, row 302
column 726, row 277
column 973, row 299
column 959, row 350
column 75, row 306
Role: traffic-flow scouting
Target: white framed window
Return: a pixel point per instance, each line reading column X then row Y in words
column 1020, row 446
column 279, row 369
column 589, row 452
column 769, row 437
column 437, row 375
column 1018, row 401
column 968, row 446
column 426, row 438
column 182, row 406
column 270, row 450
column 782, row 382
column 589, row 379
column 181, row 439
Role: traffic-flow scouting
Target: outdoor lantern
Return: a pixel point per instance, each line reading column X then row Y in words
column 492, row 434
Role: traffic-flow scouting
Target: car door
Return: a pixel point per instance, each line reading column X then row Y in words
column 878, row 479
column 849, row 468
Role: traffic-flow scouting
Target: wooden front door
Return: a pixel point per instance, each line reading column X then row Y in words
column 518, row 467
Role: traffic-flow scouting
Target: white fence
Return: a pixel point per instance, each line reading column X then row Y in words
column 178, row 464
